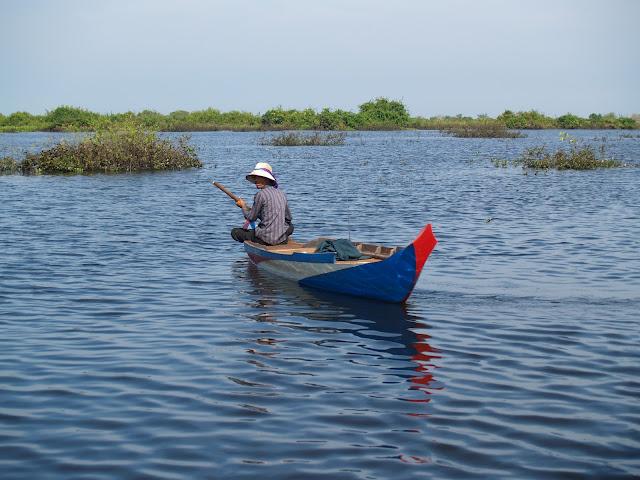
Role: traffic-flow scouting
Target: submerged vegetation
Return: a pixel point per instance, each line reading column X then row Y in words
column 486, row 129
column 378, row 114
column 8, row 166
column 578, row 156
column 111, row 150
column 294, row 139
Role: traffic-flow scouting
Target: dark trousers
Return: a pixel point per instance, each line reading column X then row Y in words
column 242, row 235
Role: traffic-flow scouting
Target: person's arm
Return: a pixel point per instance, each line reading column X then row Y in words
column 287, row 214
column 253, row 213
column 242, row 204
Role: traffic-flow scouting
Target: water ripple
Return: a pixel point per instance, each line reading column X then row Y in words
column 138, row 342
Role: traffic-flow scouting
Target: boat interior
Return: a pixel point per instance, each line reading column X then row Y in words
column 373, row 251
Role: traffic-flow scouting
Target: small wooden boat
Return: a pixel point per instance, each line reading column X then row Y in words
column 388, row 274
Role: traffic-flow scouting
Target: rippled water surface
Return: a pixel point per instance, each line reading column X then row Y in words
column 138, row 342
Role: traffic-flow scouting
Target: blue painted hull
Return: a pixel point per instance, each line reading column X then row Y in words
column 389, row 280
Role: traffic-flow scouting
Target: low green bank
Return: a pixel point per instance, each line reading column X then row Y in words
column 378, row 114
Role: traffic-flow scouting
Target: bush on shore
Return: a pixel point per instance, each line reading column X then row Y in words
column 378, row 114
column 531, row 120
column 113, row 150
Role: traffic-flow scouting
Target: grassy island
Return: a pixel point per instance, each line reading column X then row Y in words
column 113, row 150
column 378, row 114
column 578, row 156
column 294, row 139
column 485, row 129
column 584, row 157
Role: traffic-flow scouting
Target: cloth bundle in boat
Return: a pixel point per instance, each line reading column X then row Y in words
column 343, row 248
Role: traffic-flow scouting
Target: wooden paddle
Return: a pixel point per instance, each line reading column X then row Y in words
column 227, row 191
column 235, row 198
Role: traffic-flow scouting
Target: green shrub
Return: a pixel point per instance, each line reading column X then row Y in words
column 179, row 116
column 384, row 113
column 152, row 120
column 70, row 118
column 611, row 121
column 570, row 121
column 627, row 123
column 293, row 139
column 21, row 122
column 19, row 119
column 582, row 158
column 336, row 120
column 239, row 120
column 526, row 120
column 280, row 119
column 577, row 157
column 119, row 149
column 8, row 165
column 484, row 129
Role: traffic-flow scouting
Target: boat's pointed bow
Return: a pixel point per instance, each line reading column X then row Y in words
column 421, row 248
column 423, row 245
column 391, row 279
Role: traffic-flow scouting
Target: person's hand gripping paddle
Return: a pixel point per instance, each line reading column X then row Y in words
column 239, row 202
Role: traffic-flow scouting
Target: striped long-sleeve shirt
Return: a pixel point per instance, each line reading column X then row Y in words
column 271, row 208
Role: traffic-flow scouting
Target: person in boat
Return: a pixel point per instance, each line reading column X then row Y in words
column 270, row 207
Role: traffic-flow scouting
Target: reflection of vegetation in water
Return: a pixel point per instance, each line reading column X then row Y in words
column 114, row 149
column 294, row 139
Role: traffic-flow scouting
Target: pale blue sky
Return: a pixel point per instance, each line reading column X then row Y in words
column 439, row 57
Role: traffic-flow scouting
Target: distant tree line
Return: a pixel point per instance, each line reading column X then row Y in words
column 531, row 120
column 377, row 114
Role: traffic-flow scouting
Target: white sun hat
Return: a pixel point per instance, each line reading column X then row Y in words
column 262, row 169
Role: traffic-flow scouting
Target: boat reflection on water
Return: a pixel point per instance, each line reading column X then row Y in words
column 392, row 330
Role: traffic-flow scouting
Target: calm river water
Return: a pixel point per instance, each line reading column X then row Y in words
column 136, row 340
